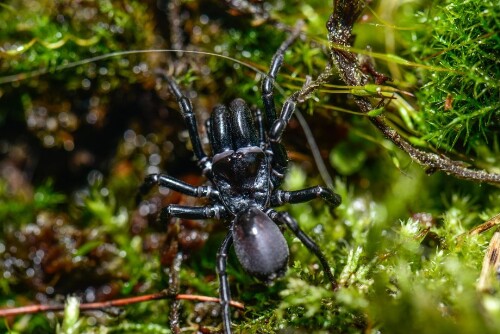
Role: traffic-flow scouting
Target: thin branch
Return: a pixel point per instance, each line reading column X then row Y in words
column 31, row 309
column 174, row 287
column 434, row 161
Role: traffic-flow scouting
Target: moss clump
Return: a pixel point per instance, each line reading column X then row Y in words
column 460, row 102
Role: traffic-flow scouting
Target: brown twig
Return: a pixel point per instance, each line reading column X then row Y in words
column 434, row 161
column 30, row 309
column 173, row 287
column 492, row 222
column 491, row 265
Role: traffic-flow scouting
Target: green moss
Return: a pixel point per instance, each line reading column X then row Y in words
column 398, row 243
column 460, row 102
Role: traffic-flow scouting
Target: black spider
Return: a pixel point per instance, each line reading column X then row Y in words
column 246, row 170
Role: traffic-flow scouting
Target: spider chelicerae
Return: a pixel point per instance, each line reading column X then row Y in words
column 246, row 170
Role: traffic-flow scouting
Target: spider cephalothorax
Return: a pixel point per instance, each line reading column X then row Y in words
column 246, row 168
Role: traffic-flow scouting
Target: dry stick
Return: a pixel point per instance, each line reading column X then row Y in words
column 492, row 222
column 111, row 303
column 491, row 265
column 174, row 287
column 339, row 28
column 432, row 160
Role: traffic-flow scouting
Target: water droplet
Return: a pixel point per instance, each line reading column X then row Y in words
column 86, row 83
column 154, row 159
column 48, row 141
column 30, row 272
column 204, row 19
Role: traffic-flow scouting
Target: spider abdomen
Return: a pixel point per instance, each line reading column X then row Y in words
column 259, row 245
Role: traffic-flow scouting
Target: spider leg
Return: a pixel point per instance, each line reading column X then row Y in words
column 280, row 157
column 187, row 113
column 280, row 197
column 170, row 182
column 284, row 217
column 267, row 88
column 224, row 291
column 280, row 124
column 191, row 212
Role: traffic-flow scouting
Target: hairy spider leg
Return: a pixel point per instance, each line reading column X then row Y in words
column 280, row 197
column 186, row 109
column 224, row 291
column 284, row 217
